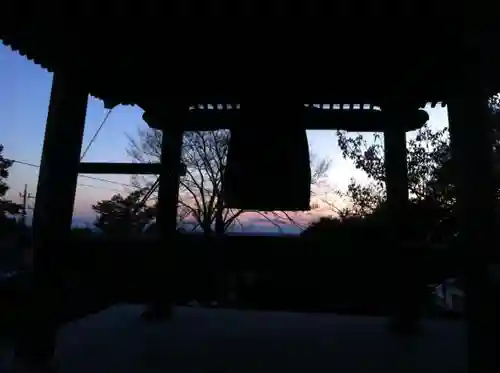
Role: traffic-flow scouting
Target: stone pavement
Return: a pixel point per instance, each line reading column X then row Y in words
column 225, row 341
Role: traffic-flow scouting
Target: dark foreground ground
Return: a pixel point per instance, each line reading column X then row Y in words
column 224, row 341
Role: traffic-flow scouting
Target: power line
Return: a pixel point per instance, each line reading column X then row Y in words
column 84, row 176
column 108, row 181
column 146, row 197
column 95, row 134
column 89, row 145
column 26, row 196
column 96, row 187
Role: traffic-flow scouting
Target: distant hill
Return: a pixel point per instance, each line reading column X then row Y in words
column 80, row 222
column 257, row 233
column 251, row 229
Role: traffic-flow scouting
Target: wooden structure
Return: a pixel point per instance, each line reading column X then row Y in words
column 176, row 84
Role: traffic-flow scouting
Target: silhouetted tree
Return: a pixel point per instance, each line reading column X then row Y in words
column 428, row 153
column 6, row 206
column 8, row 209
column 123, row 215
column 430, row 173
column 204, row 155
column 430, row 183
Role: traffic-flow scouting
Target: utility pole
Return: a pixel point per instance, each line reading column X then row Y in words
column 25, row 196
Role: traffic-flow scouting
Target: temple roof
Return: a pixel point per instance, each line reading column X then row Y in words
column 157, row 59
column 350, row 117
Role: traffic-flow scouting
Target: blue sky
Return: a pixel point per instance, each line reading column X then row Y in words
column 24, row 97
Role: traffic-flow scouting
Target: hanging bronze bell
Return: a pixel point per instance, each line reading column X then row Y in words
column 268, row 170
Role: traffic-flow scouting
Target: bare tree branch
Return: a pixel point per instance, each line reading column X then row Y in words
column 200, row 195
column 204, row 155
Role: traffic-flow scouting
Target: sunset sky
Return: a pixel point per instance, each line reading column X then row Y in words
column 24, row 97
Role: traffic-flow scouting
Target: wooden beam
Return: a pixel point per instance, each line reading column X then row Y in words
column 119, row 168
column 352, row 119
column 360, row 120
column 122, row 168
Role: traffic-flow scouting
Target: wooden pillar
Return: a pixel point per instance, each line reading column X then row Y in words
column 396, row 171
column 168, row 200
column 58, row 174
column 168, row 197
column 471, row 145
column 53, row 211
column 405, row 312
column 169, row 181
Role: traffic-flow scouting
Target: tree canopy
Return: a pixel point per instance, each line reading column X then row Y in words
column 6, row 206
column 431, row 214
column 428, row 168
column 123, row 215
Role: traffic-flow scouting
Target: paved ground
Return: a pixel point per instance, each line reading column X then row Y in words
column 224, row 341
